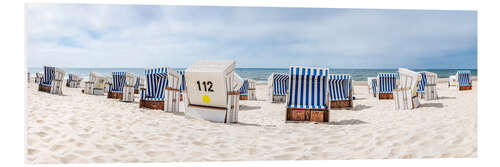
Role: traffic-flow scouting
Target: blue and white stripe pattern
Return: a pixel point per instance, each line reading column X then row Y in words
column 387, row 82
column 339, row 86
column 308, row 88
column 280, row 84
column 244, row 88
column 137, row 82
column 49, row 73
column 463, row 78
column 118, row 82
column 423, row 82
column 156, row 82
column 183, row 83
column 374, row 86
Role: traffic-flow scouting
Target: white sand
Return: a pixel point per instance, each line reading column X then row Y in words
column 78, row 128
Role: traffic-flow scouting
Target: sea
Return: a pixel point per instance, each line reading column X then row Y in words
column 259, row 74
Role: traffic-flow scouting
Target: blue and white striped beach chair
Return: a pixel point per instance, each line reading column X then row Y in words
column 278, row 86
column 307, row 98
column 386, row 83
column 183, row 82
column 464, row 81
column 244, row 90
column 429, row 80
column 162, row 89
column 73, row 81
column 137, row 85
column 51, row 80
column 340, row 87
column 421, row 85
column 123, row 86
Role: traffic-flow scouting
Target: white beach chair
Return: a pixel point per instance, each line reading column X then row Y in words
column 277, row 85
column 162, row 89
column 372, row 86
column 73, row 81
column 452, row 81
column 212, row 89
column 307, row 98
column 108, row 81
column 386, row 83
column 52, row 80
column 405, row 95
column 340, row 87
column 95, row 84
column 427, row 87
column 464, row 81
column 129, row 87
column 252, row 94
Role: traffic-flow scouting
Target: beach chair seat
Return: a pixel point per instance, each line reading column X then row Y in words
column 161, row 90
column 464, row 81
column 52, row 80
column 386, row 83
column 116, row 91
column 340, row 87
column 405, row 95
column 307, row 98
column 213, row 91
column 252, row 91
column 277, row 84
column 244, row 90
column 95, row 84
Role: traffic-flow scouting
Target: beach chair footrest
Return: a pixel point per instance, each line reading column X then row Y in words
column 307, row 115
column 385, row 96
column 243, row 97
column 44, row 88
column 152, row 104
column 465, row 87
column 341, row 104
column 115, row 95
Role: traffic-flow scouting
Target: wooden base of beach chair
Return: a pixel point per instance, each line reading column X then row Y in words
column 293, row 114
column 157, row 105
column 44, row 88
column 465, row 87
column 136, row 91
column 243, row 97
column 115, row 95
column 385, row 96
column 341, row 104
column 279, row 99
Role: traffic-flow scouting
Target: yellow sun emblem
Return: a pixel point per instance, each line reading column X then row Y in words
column 205, row 99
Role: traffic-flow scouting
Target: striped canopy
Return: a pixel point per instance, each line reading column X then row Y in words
column 118, row 81
column 280, row 83
column 49, row 73
column 308, row 88
column 463, row 78
column 423, row 82
column 183, row 83
column 137, row 82
column 387, row 82
column 339, row 86
column 244, row 88
column 156, row 82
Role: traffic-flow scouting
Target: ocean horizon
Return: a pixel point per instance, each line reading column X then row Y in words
column 258, row 74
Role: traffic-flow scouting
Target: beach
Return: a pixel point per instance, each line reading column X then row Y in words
column 81, row 128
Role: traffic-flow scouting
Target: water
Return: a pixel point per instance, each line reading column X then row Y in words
column 261, row 74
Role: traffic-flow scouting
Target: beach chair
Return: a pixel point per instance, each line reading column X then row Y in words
column 137, row 85
column 162, row 89
column 252, row 94
column 340, row 87
column 38, row 77
column 430, row 90
column 452, row 81
column 108, row 81
column 277, row 84
column 421, row 85
column 244, row 90
column 95, row 84
column 123, row 86
column 73, row 81
column 213, row 91
column 307, row 98
column 183, row 83
column 386, row 83
column 52, row 80
column 372, row 86
column 464, row 81
column 405, row 95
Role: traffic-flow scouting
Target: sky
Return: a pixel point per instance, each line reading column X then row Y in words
column 112, row 36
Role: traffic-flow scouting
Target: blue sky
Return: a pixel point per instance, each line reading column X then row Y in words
column 79, row 35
